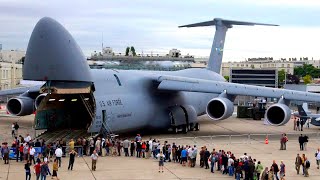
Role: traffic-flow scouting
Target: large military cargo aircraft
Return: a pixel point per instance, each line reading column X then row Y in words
column 74, row 96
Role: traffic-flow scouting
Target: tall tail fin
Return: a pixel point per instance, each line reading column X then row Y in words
column 302, row 111
column 53, row 54
column 222, row 25
column 305, row 107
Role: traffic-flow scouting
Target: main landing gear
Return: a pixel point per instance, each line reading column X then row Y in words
column 185, row 128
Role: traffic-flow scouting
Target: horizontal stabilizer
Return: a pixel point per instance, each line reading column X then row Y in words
column 222, row 25
column 217, row 21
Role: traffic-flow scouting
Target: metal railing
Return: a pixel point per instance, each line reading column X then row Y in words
column 239, row 139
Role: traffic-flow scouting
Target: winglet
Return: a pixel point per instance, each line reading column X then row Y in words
column 222, row 26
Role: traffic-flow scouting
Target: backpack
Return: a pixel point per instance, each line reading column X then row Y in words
column 307, row 164
column 161, row 158
column 43, row 169
column 213, row 159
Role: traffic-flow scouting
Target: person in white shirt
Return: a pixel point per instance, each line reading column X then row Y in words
column 58, row 154
column 13, row 130
column 230, row 167
column 194, row 156
column 190, row 151
column 158, row 148
column 27, row 138
column 161, row 157
column 98, row 145
column 150, row 149
column 94, row 157
column 244, row 156
column 32, row 151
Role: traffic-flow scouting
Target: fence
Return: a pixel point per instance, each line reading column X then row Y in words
column 237, row 139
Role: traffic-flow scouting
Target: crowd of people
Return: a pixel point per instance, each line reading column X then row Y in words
column 223, row 161
column 298, row 124
column 39, row 154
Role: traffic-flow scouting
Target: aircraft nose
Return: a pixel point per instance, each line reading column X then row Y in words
column 53, row 54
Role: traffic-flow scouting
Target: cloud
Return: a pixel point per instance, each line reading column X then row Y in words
column 152, row 25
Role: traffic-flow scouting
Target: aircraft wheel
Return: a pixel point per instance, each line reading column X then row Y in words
column 175, row 129
column 191, row 127
column 185, row 129
column 197, row 126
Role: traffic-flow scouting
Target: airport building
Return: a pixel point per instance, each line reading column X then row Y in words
column 286, row 64
column 11, row 55
column 107, row 54
column 159, row 62
column 10, row 68
column 10, row 75
column 260, row 77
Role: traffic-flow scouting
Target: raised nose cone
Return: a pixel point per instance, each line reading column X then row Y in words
column 53, row 54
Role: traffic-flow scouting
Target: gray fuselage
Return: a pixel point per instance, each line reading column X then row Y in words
column 133, row 101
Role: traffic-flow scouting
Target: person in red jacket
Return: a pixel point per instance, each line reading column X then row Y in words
column 37, row 169
column 143, row 149
column 21, row 152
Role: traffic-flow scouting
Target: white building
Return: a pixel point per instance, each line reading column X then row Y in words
column 107, row 51
column 286, row 64
column 288, row 67
column 10, row 75
column 11, row 55
column 174, row 53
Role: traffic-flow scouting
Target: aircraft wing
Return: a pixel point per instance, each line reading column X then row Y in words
column 20, row 90
column 175, row 83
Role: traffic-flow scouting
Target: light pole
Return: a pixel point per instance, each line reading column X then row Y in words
column 285, row 77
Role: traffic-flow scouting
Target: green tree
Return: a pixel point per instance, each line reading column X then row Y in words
column 307, row 69
column 227, row 78
column 127, row 51
column 281, row 77
column 307, row 79
column 133, row 51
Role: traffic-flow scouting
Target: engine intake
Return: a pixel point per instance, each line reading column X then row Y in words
column 20, row 106
column 39, row 99
column 278, row 114
column 219, row 108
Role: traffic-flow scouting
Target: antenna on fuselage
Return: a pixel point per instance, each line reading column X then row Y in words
column 222, row 25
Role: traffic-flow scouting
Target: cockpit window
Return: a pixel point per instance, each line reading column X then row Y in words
column 117, row 78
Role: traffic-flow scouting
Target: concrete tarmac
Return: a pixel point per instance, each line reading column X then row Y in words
column 231, row 135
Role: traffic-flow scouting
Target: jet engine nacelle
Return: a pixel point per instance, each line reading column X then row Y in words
column 278, row 114
column 219, row 108
column 20, row 106
column 39, row 99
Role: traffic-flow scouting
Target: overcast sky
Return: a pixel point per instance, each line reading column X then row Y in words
column 152, row 25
